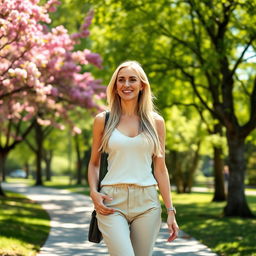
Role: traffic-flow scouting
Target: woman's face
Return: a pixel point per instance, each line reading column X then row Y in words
column 128, row 84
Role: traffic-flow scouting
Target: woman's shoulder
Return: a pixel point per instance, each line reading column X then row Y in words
column 100, row 116
column 157, row 117
column 99, row 120
column 159, row 122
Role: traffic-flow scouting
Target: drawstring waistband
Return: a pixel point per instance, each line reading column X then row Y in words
column 126, row 185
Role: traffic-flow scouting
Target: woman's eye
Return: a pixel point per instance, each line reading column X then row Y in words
column 122, row 80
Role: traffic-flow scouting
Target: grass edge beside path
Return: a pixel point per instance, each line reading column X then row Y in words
column 21, row 219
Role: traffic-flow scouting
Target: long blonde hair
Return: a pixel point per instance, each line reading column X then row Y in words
column 146, row 108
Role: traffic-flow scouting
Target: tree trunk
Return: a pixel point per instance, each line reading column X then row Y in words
column 3, row 156
column 177, row 175
column 79, row 161
column 48, row 172
column 219, row 189
column 236, row 201
column 79, row 171
column 2, row 191
column 39, row 152
column 48, row 160
column 192, row 169
column 26, row 167
column 87, row 155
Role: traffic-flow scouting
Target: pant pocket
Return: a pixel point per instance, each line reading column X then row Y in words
column 107, row 190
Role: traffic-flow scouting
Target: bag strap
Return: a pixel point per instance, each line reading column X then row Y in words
column 106, row 118
column 103, row 158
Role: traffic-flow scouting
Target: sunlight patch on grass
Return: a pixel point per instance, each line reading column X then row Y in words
column 14, row 247
column 24, row 225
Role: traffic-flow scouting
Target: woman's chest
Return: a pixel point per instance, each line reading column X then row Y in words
column 121, row 142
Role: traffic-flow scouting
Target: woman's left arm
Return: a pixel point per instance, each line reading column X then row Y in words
column 162, row 177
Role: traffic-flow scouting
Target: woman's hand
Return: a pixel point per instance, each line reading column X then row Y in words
column 99, row 206
column 172, row 226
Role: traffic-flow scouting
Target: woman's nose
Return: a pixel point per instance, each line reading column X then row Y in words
column 126, row 83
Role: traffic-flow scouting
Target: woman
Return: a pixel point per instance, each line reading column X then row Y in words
column 127, row 206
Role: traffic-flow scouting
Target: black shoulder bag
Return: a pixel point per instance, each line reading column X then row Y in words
column 94, row 234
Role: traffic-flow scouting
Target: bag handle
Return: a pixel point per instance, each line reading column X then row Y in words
column 103, row 158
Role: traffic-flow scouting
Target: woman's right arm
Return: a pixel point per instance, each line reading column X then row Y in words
column 94, row 164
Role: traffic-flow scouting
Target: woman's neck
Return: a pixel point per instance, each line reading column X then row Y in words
column 129, row 108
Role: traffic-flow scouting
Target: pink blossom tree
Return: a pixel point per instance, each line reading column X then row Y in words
column 40, row 73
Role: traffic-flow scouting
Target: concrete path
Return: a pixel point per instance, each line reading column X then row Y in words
column 70, row 216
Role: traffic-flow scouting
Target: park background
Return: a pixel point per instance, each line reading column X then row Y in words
column 200, row 60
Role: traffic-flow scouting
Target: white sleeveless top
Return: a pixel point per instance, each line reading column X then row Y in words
column 129, row 160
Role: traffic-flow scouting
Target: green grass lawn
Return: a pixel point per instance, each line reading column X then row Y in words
column 202, row 219
column 24, row 226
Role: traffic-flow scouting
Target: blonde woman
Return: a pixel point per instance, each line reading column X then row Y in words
column 127, row 206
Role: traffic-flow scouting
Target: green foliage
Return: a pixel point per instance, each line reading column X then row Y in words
column 199, row 54
column 183, row 132
column 174, row 42
column 20, row 156
column 76, row 9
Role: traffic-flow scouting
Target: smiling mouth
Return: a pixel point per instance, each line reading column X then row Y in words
column 127, row 91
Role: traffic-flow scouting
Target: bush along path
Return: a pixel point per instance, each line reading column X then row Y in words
column 70, row 216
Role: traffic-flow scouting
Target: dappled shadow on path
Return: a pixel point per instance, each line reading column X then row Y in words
column 184, row 245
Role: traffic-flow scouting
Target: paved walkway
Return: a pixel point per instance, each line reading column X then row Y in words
column 70, row 215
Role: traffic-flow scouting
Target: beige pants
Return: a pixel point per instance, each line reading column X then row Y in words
column 133, row 228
